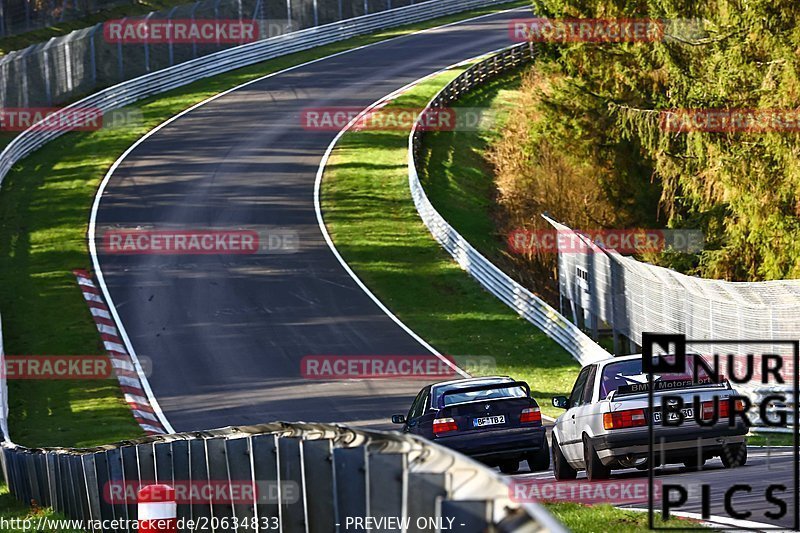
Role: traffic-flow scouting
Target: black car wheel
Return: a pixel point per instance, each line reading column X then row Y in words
column 561, row 469
column 734, row 455
column 693, row 464
column 595, row 470
column 509, row 467
column 539, row 461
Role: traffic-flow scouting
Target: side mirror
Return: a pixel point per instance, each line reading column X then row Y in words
column 561, row 402
column 398, row 419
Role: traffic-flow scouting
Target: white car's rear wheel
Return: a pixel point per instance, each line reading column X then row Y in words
column 561, row 469
column 595, row 470
column 734, row 455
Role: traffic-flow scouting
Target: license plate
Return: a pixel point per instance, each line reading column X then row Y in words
column 688, row 413
column 488, row 421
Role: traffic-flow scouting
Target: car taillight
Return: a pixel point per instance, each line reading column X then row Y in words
column 530, row 415
column 724, row 408
column 624, row 419
column 443, row 425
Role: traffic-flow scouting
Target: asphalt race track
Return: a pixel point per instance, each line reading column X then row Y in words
column 227, row 333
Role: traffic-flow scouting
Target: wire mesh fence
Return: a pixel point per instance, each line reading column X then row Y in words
column 20, row 16
column 602, row 288
column 65, row 68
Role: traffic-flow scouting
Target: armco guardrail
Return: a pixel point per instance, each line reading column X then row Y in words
column 89, row 59
column 304, row 478
column 520, row 299
column 127, row 92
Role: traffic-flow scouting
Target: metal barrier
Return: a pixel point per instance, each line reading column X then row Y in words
column 95, row 57
column 520, row 299
column 125, row 93
column 303, row 478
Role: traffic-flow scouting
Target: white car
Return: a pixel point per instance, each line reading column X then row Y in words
column 605, row 425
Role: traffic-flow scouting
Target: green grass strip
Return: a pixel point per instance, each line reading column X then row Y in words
column 24, row 519
column 372, row 219
column 596, row 518
column 44, row 210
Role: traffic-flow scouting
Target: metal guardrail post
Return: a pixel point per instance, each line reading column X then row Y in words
column 94, row 488
column 318, row 467
column 33, row 478
column 467, row 516
column 290, row 471
column 66, row 485
column 52, row 482
column 387, row 484
column 217, row 473
column 240, row 471
column 424, row 490
column 265, row 469
column 130, row 471
column 105, row 509
column 179, row 456
column 116, row 478
column 198, row 471
column 79, row 486
column 350, row 482
column 43, row 480
column 162, row 452
column 146, row 459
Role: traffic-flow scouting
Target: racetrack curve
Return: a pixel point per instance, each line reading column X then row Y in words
column 226, row 333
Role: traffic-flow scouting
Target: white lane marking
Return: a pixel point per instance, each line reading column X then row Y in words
column 101, row 189
column 324, row 230
column 320, row 221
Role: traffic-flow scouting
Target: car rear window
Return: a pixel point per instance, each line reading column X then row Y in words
column 627, row 377
column 493, row 394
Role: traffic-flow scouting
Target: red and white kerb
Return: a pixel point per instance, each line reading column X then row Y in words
column 128, row 378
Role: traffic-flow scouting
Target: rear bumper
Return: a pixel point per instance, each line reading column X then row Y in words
column 672, row 443
column 497, row 445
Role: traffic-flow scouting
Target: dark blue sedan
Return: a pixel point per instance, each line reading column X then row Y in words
column 492, row 419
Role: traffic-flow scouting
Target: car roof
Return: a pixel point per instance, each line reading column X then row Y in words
column 604, row 362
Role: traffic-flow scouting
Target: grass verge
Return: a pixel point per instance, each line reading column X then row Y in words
column 372, row 219
column 770, row 439
column 16, row 513
column 601, row 518
column 44, row 210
